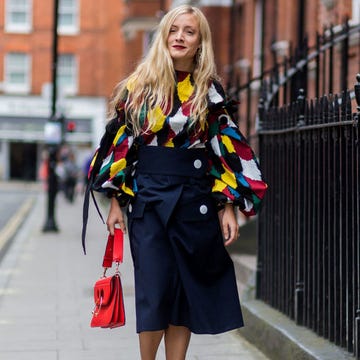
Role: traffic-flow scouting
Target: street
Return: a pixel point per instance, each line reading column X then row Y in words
column 46, row 294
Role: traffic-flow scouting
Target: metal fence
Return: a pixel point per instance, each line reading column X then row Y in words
column 320, row 68
column 309, row 228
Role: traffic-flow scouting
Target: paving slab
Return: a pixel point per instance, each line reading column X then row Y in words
column 46, row 299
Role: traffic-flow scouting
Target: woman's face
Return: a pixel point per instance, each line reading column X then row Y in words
column 183, row 41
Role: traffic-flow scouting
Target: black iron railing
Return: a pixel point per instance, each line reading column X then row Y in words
column 320, row 68
column 309, row 227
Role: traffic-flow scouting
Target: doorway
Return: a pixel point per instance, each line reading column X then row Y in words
column 23, row 161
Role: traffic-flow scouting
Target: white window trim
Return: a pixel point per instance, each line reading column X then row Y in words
column 18, row 28
column 72, row 29
column 70, row 90
column 355, row 12
column 11, row 88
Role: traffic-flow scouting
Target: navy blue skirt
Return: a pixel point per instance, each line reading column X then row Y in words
column 184, row 276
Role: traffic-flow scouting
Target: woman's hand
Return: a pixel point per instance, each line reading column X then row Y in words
column 115, row 216
column 229, row 224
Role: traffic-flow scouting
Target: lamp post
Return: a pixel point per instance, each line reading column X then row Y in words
column 53, row 133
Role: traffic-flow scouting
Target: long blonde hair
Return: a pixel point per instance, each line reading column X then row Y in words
column 152, row 83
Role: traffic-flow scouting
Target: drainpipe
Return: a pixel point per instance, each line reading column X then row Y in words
column 231, row 62
column 301, row 22
column 262, row 55
column 300, row 79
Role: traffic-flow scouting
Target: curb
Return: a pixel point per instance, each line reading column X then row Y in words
column 8, row 232
column 276, row 335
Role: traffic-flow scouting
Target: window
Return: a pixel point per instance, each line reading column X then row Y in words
column 18, row 16
column 17, row 73
column 68, row 17
column 67, row 74
column 356, row 11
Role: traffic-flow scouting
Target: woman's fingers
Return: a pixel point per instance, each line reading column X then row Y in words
column 230, row 226
column 115, row 217
column 233, row 235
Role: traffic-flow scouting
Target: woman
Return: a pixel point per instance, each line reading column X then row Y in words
column 180, row 165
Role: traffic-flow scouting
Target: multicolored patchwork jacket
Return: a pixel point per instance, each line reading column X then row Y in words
column 233, row 167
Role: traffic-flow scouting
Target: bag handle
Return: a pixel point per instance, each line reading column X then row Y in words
column 114, row 249
column 105, row 144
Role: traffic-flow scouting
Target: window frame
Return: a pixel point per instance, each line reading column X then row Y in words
column 71, row 72
column 10, row 8
column 73, row 10
column 10, row 69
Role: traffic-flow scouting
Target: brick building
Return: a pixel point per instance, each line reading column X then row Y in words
column 91, row 59
column 250, row 36
column 263, row 33
column 100, row 41
column 265, row 30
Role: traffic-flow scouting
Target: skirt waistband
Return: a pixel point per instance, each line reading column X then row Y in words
column 172, row 161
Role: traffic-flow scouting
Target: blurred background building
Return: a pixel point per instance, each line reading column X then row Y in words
column 266, row 52
column 100, row 42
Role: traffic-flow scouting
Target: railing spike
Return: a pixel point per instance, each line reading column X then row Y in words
column 348, row 106
column 336, row 108
column 325, row 110
column 301, row 104
column 311, row 112
column 261, row 112
column 331, row 110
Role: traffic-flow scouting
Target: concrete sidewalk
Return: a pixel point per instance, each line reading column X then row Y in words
column 46, row 297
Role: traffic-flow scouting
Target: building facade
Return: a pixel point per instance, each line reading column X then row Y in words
column 90, row 62
column 268, row 33
column 101, row 41
column 250, row 36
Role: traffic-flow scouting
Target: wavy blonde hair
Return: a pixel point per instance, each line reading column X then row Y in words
column 153, row 82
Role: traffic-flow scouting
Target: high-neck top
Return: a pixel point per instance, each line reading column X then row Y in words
column 232, row 164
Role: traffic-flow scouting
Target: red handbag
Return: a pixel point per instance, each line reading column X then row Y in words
column 109, row 311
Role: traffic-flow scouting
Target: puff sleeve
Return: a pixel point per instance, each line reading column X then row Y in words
column 114, row 175
column 235, row 170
